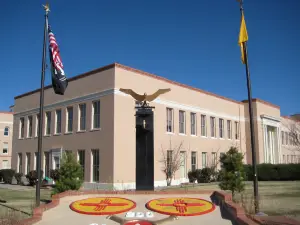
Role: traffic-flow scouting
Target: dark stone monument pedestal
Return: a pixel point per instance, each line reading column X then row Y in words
column 144, row 148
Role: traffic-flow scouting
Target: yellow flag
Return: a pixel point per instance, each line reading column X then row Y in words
column 243, row 37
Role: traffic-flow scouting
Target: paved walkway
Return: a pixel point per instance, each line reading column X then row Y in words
column 62, row 214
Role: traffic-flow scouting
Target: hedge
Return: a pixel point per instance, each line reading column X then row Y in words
column 18, row 177
column 265, row 172
column 7, row 175
column 274, row 172
column 32, row 177
column 205, row 175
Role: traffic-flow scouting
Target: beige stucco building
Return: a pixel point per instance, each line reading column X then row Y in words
column 6, row 134
column 96, row 121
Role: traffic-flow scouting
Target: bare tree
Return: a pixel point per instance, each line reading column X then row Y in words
column 293, row 130
column 172, row 160
column 212, row 160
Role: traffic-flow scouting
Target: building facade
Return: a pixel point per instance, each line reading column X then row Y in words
column 6, row 136
column 96, row 122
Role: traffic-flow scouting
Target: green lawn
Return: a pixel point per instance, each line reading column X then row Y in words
column 276, row 197
column 23, row 200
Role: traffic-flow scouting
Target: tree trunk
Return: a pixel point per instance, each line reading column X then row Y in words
column 169, row 181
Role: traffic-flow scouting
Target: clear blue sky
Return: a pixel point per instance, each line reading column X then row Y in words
column 193, row 42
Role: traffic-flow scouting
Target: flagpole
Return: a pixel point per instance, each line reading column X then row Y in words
column 40, row 133
column 255, row 181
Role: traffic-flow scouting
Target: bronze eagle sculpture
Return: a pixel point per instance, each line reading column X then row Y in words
column 145, row 98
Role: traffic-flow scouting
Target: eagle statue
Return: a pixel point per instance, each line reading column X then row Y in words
column 145, row 98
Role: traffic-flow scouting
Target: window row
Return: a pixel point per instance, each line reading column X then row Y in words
column 290, row 158
column 82, row 118
column 207, row 159
column 289, row 138
column 204, row 119
column 54, row 163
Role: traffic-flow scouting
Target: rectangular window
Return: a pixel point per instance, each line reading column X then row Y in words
column 214, row 158
column 28, row 162
column 193, row 124
column 287, row 159
column 96, row 115
column 194, row 161
column 204, row 159
column 20, row 162
column 236, row 125
column 29, row 132
column 6, row 131
column 37, row 126
column 213, row 126
column 82, row 117
column 48, row 123
column 58, row 121
column 229, row 130
column 169, row 159
column 81, row 159
column 56, row 162
column 283, row 159
column 169, row 120
column 286, row 138
column 182, row 164
column 221, row 128
column 5, row 148
column 181, row 122
column 221, row 155
column 203, row 125
column 282, row 137
column 5, row 164
column 69, row 119
column 22, row 127
column 96, row 165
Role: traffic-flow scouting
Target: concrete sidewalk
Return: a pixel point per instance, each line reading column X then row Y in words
column 62, row 214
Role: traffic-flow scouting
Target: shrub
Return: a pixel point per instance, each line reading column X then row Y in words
column 18, row 177
column 248, row 172
column 71, row 174
column 54, row 174
column 205, row 175
column 7, row 175
column 192, row 176
column 32, row 177
column 232, row 171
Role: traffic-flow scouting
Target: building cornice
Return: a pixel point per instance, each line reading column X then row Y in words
column 117, row 65
column 264, row 116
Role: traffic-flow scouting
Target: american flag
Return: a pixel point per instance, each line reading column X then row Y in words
column 59, row 79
